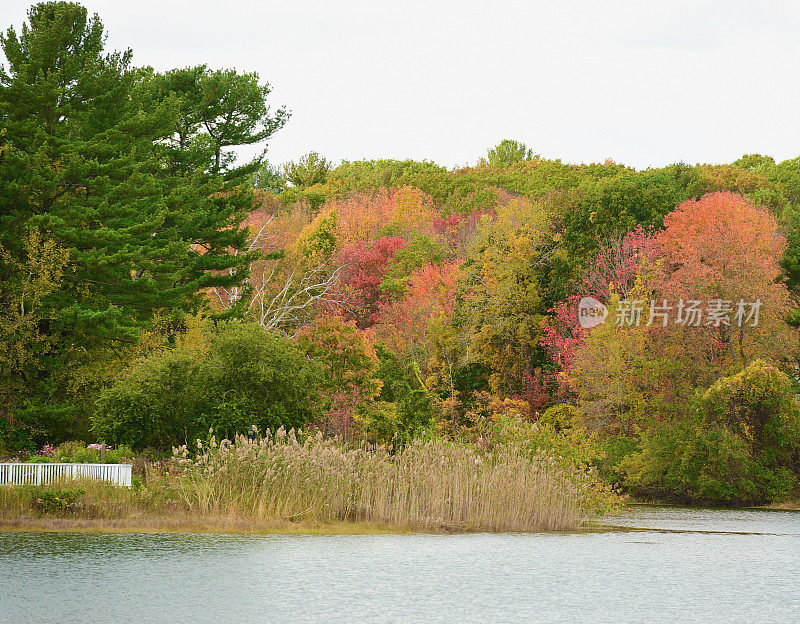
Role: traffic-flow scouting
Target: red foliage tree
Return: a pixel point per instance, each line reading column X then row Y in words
column 616, row 267
column 364, row 265
column 456, row 230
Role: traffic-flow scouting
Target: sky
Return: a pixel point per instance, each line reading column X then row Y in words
column 643, row 83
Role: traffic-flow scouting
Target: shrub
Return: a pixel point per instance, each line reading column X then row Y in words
column 742, row 446
column 77, row 452
column 254, row 377
column 692, row 463
column 561, row 417
column 703, row 462
column 572, row 446
column 615, row 448
column 246, row 377
column 156, row 404
column 119, row 454
column 396, row 423
column 758, row 404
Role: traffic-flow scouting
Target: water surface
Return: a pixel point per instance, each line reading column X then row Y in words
column 660, row 565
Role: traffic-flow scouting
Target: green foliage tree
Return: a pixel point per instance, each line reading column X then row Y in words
column 362, row 175
column 155, row 405
column 500, row 305
column 216, row 110
column 607, row 208
column 406, row 409
column 507, row 153
column 267, row 178
column 86, row 161
column 29, row 280
column 258, row 377
column 311, row 169
column 245, row 377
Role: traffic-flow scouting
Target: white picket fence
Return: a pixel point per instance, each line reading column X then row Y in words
column 39, row 474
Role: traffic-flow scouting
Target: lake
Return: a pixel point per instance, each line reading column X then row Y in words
column 660, row 564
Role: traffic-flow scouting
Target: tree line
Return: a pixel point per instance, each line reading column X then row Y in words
column 154, row 288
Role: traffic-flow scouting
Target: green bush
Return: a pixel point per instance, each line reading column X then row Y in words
column 615, row 448
column 265, row 377
column 405, row 408
column 387, row 423
column 742, row 446
column 691, row 463
column 559, row 433
column 155, row 404
column 699, row 462
column 562, row 416
column 118, row 454
column 759, row 405
column 246, row 377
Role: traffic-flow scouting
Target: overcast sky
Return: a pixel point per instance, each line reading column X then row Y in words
column 644, row 83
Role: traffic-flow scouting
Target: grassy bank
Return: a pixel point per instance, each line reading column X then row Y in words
column 197, row 524
column 284, row 485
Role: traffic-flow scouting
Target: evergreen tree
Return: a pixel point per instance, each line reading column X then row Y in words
column 88, row 163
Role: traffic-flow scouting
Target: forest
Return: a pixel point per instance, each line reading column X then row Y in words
column 638, row 327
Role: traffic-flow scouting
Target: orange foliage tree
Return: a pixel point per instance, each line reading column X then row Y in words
column 416, row 326
column 719, row 305
column 367, row 216
column 725, row 252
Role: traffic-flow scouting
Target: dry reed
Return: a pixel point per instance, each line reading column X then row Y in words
column 284, row 484
column 427, row 485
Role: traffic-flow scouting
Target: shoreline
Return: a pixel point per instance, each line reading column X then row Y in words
column 790, row 505
column 273, row 526
column 211, row 525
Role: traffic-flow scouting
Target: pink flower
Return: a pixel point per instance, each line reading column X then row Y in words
column 46, row 451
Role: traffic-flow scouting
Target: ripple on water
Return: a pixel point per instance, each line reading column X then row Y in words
column 686, row 565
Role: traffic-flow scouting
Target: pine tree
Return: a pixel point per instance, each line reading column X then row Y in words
column 87, row 161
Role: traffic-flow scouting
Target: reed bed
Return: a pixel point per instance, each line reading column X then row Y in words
column 290, row 483
column 426, row 485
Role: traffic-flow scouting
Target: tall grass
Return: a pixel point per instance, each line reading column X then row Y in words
column 426, row 485
column 97, row 500
column 279, row 482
